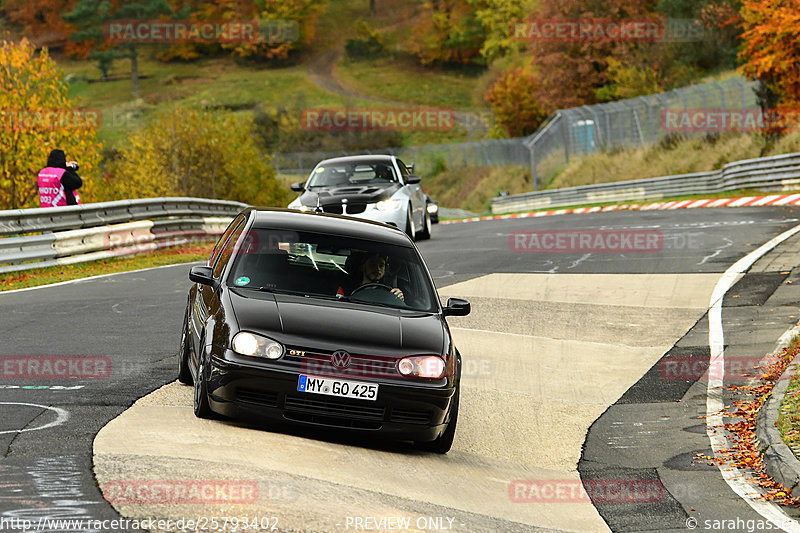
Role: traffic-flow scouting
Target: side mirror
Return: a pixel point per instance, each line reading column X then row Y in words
column 457, row 307
column 203, row 275
column 299, row 186
column 411, row 179
column 410, row 168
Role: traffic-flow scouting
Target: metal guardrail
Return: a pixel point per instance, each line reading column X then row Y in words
column 42, row 237
column 775, row 173
column 18, row 221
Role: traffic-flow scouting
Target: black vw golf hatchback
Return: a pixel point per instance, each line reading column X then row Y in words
column 325, row 321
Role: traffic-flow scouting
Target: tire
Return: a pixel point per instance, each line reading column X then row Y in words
column 202, row 409
column 410, row 230
column 444, row 442
column 184, row 374
column 425, row 234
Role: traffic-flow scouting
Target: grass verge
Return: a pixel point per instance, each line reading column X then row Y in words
column 56, row 274
column 789, row 413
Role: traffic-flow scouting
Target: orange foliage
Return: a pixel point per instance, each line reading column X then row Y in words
column 571, row 71
column 771, row 46
column 514, row 103
column 42, row 23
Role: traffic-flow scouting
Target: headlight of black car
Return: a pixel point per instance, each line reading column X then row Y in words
column 422, row 366
column 252, row 345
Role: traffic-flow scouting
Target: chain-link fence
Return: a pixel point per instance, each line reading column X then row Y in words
column 427, row 159
column 568, row 132
column 691, row 111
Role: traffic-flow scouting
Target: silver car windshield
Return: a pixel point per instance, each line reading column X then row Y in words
column 347, row 174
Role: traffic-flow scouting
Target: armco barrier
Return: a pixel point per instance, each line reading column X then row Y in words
column 775, row 173
column 95, row 231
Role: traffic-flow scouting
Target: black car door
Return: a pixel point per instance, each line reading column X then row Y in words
column 207, row 297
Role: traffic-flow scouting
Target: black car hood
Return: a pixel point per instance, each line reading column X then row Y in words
column 354, row 194
column 332, row 325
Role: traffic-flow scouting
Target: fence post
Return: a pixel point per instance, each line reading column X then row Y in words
column 534, row 177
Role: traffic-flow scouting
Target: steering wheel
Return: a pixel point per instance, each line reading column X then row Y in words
column 368, row 285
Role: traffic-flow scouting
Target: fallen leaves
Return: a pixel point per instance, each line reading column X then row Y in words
column 747, row 452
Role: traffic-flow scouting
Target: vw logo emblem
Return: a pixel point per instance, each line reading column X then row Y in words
column 340, row 359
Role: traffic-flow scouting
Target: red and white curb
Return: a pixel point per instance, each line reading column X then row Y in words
column 746, row 201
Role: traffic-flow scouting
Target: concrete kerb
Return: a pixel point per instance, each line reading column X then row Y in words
column 744, row 201
column 779, row 461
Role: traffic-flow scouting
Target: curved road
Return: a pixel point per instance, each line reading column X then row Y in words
column 564, row 382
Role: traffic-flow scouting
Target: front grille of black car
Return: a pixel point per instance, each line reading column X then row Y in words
column 333, row 412
column 361, row 366
column 336, row 209
column 264, row 398
column 410, row 416
column 332, row 421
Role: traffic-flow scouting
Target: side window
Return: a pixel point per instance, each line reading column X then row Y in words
column 227, row 248
column 223, row 238
column 403, row 169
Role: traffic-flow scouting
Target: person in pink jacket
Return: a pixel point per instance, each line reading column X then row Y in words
column 58, row 181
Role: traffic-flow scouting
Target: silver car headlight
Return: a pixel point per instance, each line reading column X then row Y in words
column 389, row 205
column 433, row 208
column 252, row 345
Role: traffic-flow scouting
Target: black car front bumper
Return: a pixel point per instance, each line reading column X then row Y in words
column 403, row 410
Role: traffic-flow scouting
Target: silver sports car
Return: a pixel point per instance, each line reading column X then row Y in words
column 372, row 187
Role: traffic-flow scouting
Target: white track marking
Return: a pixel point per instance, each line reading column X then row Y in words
column 78, row 280
column 61, row 417
column 714, row 404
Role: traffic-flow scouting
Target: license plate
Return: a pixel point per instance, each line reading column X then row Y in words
column 338, row 387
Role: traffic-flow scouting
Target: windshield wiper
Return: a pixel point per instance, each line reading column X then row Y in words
column 272, row 290
column 338, row 297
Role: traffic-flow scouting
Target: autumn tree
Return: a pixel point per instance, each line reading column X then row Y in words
column 570, row 71
column 719, row 25
column 448, row 31
column 41, row 22
column 186, row 152
column 35, row 117
column 770, row 46
column 90, row 17
column 496, row 17
column 513, row 100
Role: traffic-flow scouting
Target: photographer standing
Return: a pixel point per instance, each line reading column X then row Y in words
column 58, row 181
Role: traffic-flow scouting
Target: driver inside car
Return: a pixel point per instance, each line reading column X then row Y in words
column 371, row 270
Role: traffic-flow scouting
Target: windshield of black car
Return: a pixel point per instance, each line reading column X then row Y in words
column 329, row 266
column 352, row 174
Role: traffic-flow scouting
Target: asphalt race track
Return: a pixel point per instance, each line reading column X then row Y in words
column 567, row 382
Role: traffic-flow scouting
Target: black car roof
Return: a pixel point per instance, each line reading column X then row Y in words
column 292, row 220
